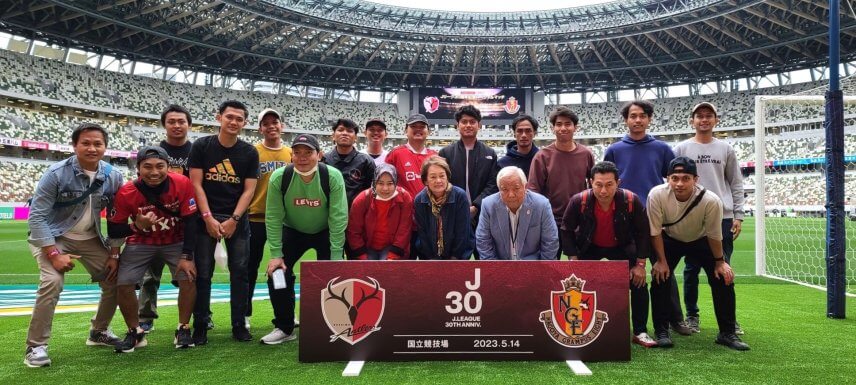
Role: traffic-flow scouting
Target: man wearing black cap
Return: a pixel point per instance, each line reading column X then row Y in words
column 162, row 209
column 306, row 209
column 375, row 137
column 686, row 220
column 357, row 168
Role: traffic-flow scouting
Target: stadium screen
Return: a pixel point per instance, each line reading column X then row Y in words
column 494, row 103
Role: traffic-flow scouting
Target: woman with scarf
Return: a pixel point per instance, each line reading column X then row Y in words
column 381, row 219
column 442, row 215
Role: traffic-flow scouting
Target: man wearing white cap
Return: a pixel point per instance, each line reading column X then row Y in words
column 272, row 155
column 718, row 171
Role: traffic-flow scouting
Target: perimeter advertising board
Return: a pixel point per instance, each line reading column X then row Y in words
column 464, row 310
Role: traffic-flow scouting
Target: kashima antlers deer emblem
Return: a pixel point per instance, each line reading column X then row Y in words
column 352, row 308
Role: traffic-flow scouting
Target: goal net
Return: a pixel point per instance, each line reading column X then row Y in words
column 790, row 186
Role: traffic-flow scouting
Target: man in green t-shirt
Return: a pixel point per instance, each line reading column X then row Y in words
column 304, row 216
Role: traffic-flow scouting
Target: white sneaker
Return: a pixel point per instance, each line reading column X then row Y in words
column 247, row 322
column 277, row 336
column 37, row 356
column 645, row 340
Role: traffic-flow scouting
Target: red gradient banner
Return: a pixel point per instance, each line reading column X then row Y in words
column 464, row 310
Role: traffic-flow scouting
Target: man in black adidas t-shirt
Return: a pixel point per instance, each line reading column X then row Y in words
column 224, row 171
column 176, row 122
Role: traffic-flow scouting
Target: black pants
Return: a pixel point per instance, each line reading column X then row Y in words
column 298, row 243
column 699, row 254
column 238, row 250
column 258, row 238
column 638, row 295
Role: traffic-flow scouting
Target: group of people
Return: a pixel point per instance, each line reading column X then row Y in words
column 410, row 202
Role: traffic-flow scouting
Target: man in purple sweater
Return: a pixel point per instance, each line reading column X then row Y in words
column 560, row 170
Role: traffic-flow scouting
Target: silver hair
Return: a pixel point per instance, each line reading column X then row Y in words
column 511, row 171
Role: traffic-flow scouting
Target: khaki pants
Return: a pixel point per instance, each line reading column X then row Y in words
column 93, row 257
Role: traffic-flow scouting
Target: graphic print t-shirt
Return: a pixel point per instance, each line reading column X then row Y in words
column 178, row 196
column 178, row 157
column 224, row 171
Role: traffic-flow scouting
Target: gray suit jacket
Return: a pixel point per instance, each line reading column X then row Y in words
column 537, row 235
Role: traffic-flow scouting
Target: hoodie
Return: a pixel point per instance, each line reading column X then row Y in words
column 642, row 164
column 514, row 158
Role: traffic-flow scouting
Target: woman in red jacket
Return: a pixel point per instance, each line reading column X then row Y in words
column 380, row 219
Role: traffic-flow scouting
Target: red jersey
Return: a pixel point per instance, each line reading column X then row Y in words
column 179, row 196
column 408, row 165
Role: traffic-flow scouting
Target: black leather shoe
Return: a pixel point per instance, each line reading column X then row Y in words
column 241, row 334
column 732, row 341
column 200, row 336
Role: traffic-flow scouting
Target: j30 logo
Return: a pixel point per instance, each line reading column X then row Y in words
column 471, row 301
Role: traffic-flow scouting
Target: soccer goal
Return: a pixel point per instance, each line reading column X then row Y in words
column 790, row 187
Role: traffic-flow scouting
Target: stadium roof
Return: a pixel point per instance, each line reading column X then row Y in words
column 357, row 44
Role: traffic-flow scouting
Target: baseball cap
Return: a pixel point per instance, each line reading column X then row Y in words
column 704, row 104
column 149, row 152
column 682, row 164
column 416, row 119
column 268, row 111
column 306, row 140
column 376, row 121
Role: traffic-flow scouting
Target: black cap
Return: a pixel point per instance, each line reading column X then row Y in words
column 416, row 119
column 306, row 140
column 684, row 165
column 378, row 121
column 149, row 152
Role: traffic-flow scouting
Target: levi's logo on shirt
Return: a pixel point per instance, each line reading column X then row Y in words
column 307, row 202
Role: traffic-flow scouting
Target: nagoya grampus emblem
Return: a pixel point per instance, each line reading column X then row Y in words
column 573, row 319
column 352, row 308
column 511, row 106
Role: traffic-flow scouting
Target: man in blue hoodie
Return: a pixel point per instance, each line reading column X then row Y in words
column 644, row 162
column 522, row 149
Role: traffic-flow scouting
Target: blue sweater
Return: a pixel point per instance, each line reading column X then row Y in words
column 642, row 164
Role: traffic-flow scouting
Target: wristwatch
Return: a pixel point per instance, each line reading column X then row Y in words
column 236, row 218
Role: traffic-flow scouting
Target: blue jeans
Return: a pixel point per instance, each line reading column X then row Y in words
column 238, row 249
column 691, row 269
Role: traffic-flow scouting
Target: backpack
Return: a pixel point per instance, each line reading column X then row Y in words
column 323, row 176
column 628, row 196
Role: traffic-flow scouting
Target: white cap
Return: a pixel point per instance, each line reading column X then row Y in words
column 268, row 111
column 704, row 104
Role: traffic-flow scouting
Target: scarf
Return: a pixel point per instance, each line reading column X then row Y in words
column 437, row 205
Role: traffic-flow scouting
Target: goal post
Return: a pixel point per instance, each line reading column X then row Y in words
column 790, row 187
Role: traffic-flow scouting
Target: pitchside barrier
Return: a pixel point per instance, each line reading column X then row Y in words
column 464, row 310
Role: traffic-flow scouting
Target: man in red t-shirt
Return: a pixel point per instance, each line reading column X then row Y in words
column 408, row 158
column 162, row 207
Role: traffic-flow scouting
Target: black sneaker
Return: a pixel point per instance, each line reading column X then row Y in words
column 681, row 328
column 693, row 323
column 241, row 334
column 132, row 340
column 210, row 324
column 183, row 338
column 664, row 340
column 200, row 336
column 732, row 341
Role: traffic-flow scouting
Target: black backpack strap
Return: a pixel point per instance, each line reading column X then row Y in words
column 324, row 177
column 95, row 185
column 152, row 199
column 692, row 205
column 287, row 175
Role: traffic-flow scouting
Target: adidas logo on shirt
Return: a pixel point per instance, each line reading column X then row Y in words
column 223, row 172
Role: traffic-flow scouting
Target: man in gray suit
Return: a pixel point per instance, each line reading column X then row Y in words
column 516, row 223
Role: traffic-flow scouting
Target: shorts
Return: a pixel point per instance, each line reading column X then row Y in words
column 135, row 260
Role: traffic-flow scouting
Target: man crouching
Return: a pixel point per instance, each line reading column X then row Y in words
column 162, row 206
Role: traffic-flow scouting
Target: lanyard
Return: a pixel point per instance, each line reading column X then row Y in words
column 513, row 230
